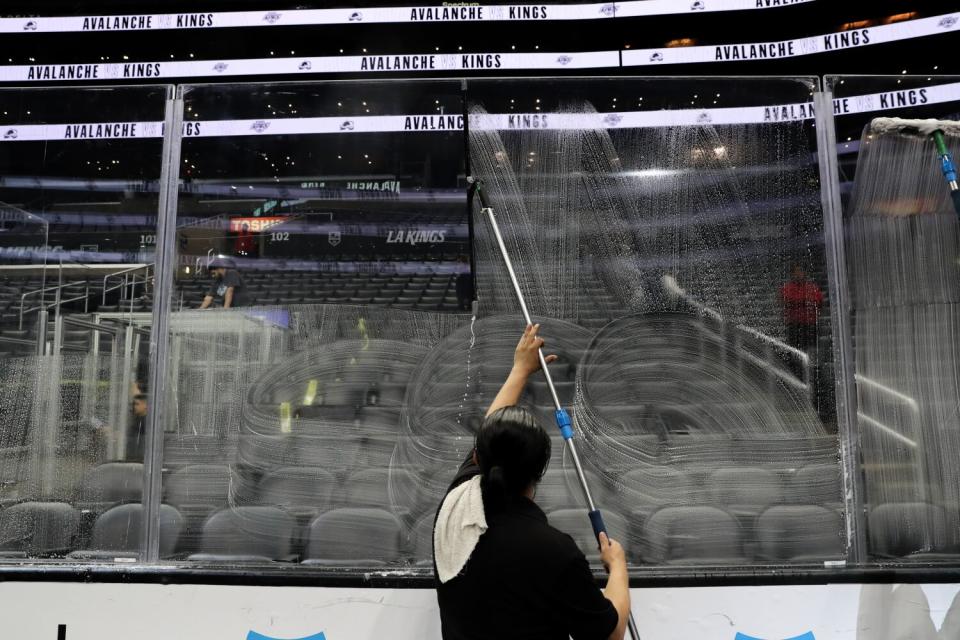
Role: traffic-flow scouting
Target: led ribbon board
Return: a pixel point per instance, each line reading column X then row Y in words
column 434, row 62
column 306, row 17
column 825, row 43
column 433, row 123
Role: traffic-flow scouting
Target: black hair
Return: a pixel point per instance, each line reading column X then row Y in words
column 513, row 451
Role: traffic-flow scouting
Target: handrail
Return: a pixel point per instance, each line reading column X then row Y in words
column 83, row 324
column 146, row 267
column 43, row 305
column 207, row 223
column 671, row 284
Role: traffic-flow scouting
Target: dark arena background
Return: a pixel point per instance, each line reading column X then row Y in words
column 750, row 281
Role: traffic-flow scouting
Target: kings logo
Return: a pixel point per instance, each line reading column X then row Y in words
column 272, row 17
column 260, row 126
column 333, row 238
column 253, row 635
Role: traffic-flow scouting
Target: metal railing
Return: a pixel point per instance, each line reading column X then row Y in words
column 130, row 280
column 58, row 298
column 774, row 344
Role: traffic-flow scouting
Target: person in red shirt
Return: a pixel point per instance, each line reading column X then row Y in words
column 244, row 244
column 801, row 298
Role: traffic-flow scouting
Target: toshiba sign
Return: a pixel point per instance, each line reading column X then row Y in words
column 255, row 225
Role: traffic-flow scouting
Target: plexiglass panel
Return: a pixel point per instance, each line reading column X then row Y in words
column 901, row 250
column 323, row 249
column 667, row 233
column 79, row 173
column 677, row 255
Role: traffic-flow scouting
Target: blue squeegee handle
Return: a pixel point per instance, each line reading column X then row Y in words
column 566, row 430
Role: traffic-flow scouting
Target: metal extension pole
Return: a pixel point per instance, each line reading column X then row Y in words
column 563, row 418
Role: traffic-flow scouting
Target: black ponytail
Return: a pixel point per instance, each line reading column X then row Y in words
column 513, row 451
column 494, row 487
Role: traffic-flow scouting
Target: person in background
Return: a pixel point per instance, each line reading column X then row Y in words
column 137, row 428
column 801, row 299
column 503, row 572
column 227, row 286
column 464, row 283
column 244, row 243
column 105, row 436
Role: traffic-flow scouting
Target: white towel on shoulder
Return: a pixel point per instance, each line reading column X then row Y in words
column 460, row 524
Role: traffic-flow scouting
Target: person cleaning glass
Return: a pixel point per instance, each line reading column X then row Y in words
column 503, row 572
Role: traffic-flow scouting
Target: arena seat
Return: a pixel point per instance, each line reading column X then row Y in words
column 247, row 534
column 335, row 454
column 351, row 536
column 817, row 484
column 267, row 450
column 116, row 533
column 745, row 491
column 690, row 535
column 302, row 491
column 910, row 529
column 199, row 485
column 372, row 488
column 37, row 529
column 198, row 490
column 799, row 533
column 110, row 483
column 576, row 524
column 651, row 487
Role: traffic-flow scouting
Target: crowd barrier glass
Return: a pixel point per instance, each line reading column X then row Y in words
column 79, row 175
column 331, row 219
column 902, row 247
column 680, row 270
column 320, row 419
column 668, row 233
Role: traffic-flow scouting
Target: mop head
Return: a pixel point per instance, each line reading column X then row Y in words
column 925, row 127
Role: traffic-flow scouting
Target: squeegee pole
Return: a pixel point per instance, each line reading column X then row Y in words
column 563, row 418
column 543, row 361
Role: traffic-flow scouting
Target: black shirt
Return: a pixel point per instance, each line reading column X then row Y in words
column 218, row 288
column 135, row 438
column 524, row 580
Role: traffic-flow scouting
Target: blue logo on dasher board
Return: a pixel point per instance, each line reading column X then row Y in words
column 806, row 636
column 253, row 635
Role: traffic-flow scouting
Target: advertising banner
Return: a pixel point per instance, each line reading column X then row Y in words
column 78, row 611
